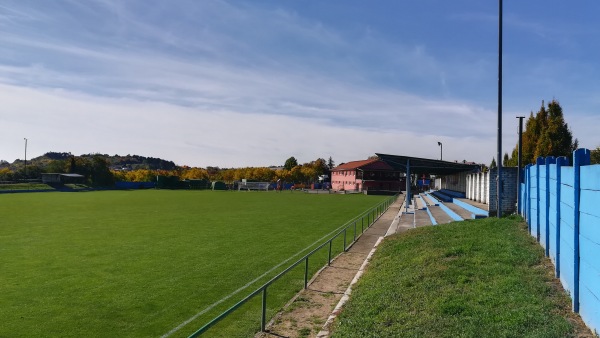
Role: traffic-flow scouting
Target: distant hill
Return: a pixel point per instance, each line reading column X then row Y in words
column 136, row 162
column 115, row 161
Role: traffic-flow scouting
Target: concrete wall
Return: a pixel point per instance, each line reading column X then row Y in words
column 456, row 182
column 477, row 187
column 481, row 187
column 560, row 205
column 509, row 191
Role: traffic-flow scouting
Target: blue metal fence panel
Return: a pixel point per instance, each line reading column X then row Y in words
column 526, row 200
column 542, row 205
column 589, row 246
column 552, row 210
column 590, row 177
column 533, row 201
column 566, row 229
column 522, row 193
column 589, row 304
column 560, row 204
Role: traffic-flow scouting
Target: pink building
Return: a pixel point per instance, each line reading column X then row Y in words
column 364, row 175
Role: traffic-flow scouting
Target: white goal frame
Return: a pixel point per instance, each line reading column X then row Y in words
column 254, row 186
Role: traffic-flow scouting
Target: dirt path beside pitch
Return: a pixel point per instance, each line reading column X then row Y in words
column 306, row 314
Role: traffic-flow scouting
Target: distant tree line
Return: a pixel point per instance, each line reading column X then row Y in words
column 104, row 170
column 290, row 172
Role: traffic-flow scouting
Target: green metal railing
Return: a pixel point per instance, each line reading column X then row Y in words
column 371, row 216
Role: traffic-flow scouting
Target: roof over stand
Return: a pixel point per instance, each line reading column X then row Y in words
column 425, row 165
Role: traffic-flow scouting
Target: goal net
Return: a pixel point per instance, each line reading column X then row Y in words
column 254, row 186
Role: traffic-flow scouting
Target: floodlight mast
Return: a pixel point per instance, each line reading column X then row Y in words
column 25, row 156
column 499, row 154
column 520, row 163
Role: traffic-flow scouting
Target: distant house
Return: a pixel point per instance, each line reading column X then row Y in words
column 59, row 178
column 372, row 174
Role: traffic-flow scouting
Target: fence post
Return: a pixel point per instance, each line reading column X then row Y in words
column 525, row 212
column 528, row 199
column 263, row 319
column 306, row 273
column 560, row 161
column 549, row 160
column 580, row 157
column 540, row 160
column 355, row 230
column 345, row 240
column 329, row 257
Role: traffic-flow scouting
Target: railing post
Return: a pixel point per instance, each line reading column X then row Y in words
column 306, row 273
column 345, row 239
column 329, row 257
column 362, row 224
column 580, row 157
column 354, row 230
column 263, row 320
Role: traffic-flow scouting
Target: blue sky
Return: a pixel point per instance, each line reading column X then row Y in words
column 250, row 83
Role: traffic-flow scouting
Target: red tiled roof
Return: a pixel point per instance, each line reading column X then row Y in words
column 372, row 164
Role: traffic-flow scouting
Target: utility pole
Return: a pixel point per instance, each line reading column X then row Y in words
column 25, row 157
column 441, row 149
column 499, row 156
column 520, row 163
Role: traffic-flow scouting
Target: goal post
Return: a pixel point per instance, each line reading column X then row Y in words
column 254, row 186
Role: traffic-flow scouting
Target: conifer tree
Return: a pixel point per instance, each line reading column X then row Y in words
column 330, row 163
column 546, row 134
column 595, row 155
column 506, row 160
column 531, row 129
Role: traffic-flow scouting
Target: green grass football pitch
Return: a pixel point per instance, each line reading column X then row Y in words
column 156, row 262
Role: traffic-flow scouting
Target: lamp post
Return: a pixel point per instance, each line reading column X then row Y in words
column 441, row 149
column 499, row 185
column 520, row 163
column 25, row 156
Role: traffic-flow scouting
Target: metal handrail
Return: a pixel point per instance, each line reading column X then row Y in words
column 377, row 210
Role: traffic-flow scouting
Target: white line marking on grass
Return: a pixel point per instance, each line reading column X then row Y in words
column 180, row 326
